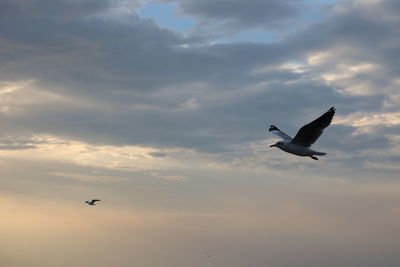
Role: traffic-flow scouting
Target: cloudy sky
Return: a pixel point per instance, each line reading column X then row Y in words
column 161, row 109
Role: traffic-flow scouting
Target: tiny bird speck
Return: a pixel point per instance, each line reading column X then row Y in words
column 92, row 202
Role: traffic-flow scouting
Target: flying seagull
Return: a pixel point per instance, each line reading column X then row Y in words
column 305, row 137
column 92, row 202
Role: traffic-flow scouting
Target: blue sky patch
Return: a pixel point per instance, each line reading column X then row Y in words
column 166, row 16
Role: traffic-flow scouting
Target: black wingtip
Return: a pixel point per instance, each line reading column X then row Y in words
column 332, row 109
column 273, row 128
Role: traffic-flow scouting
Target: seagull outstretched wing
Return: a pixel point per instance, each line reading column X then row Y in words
column 275, row 130
column 309, row 133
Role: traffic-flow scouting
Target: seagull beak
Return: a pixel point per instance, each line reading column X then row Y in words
column 272, row 145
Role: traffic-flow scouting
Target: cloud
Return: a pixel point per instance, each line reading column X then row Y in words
column 100, row 81
column 16, row 147
column 353, row 50
column 240, row 14
column 51, row 148
column 158, row 154
column 360, row 119
column 56, row 9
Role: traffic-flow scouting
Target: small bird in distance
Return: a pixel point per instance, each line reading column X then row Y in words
column 305, row 137
column 92, row 202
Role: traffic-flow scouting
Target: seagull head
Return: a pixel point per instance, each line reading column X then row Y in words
column 279, row 144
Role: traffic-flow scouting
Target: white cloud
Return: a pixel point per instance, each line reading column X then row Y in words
column 361, row 119
column 295, row 67
column 23, row 97
column 191, row 104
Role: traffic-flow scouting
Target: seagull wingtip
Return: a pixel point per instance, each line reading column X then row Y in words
column 272, row 128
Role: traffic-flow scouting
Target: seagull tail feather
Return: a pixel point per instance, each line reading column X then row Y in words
column 319, row 153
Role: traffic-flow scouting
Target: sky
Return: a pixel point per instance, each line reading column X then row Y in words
column 161, row 109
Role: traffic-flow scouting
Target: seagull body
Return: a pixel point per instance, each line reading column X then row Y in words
column 305, row 137
column 92, row 202
column 297, row 149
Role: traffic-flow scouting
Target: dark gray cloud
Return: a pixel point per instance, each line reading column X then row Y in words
column 16, row 147
column 158, row 154
column 57, row 9
column 139, row 84
column 240, row 14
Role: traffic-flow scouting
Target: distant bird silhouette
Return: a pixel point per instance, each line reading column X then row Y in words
column 92, row 202
column 305, row 137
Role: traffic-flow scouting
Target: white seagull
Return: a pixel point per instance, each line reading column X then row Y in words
column 305, row 137
column 92, row 202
